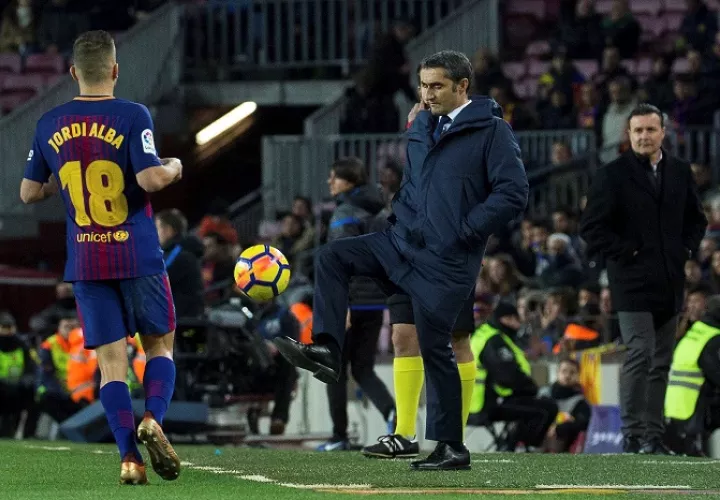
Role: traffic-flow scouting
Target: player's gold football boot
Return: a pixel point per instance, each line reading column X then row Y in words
column 165, row 461
column 132, row 473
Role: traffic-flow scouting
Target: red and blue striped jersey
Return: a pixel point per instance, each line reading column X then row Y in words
column 94, row 146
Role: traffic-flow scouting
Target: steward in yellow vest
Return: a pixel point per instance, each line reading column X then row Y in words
column 17, row 380
column 504, row 391
column 691, row 401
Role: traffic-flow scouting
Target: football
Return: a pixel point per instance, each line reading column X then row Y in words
column 262, row 272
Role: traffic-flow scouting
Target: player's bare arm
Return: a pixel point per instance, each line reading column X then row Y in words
column 33, row 191
column 157, row 178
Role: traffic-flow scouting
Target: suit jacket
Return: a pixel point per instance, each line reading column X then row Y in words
column 645, row 233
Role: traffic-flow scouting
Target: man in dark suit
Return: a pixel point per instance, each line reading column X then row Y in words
column 644, row 217
column 464, row 181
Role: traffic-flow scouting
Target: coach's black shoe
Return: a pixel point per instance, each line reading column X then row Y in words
column 444, row 458
column 392, row 446
column 317, row 358
column 655, row 446
column 631, row 444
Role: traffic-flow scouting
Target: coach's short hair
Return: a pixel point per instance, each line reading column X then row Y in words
column 94, row 56
column 351, row 169
column 646, row 109
column 174, row 219
column 456, row 65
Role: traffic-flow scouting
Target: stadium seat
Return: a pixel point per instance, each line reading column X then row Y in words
column 537, row 49
column 45, row 63
column 521, row 90
column 603, row 6
column 588, row 67
column 673, row 20
column 675, row 6
column 52, row 80
column 651, row 7
column 514, row 70
column 537, row 68
column 534, row 8
column 23, row 83
column 531, row 85
column 520, row 30
column 644, row 68
column 681, row 65
column 10, row 63
column 652, row 26
column 8, row 102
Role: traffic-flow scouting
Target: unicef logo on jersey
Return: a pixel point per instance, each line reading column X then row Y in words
column 108, row 237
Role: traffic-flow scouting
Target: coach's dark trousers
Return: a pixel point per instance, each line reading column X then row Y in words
column 650, row 339
column 374, row 255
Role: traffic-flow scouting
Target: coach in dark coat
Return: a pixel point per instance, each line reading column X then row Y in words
column 644, row 216
column 464, row 180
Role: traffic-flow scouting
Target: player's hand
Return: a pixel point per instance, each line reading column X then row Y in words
column 50, row 187
column 414, row 111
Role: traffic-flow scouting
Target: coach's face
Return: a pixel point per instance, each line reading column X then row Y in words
column 646, row 134
column 439, row 92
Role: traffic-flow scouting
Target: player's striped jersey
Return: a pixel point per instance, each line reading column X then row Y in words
column 95, row 146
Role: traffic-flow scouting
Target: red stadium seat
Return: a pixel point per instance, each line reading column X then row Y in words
column 23, row 83
column 681, row 65
column 588, row 67
column 644, row 68
column 537, row 49
column 537, row 68
column 534, row 8
column 675, row 5
column 10, row 63
column 652, row 7
column 652, row 26
column 45, row 63
column 514, row 70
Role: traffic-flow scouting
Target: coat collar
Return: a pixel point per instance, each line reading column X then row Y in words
column 639, row 174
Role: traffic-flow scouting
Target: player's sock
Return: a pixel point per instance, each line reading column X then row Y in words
column 467, row 382
column 159, row 384
column 115, row 398
column 409, row 375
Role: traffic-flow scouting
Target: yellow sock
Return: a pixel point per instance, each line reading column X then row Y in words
column 467, row 381
column 409, row 375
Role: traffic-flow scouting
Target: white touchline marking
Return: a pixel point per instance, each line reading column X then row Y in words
column 326, row 486
column 257, row 478
column 491, row 461
column 681, row 462
column 102, row 452
column 48, row 448
column 609, row 487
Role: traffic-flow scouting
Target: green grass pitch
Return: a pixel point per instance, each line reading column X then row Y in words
column 67, row 471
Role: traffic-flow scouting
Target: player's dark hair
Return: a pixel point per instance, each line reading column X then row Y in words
column 456, row 65
column 94, row 56
column 646, row 109
column 174, row 219
column 351, row 169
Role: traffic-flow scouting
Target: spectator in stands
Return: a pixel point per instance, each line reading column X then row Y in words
column 294, row 238
column 302, row 207
column 698, row 27
column 60, row 22
column 620, row 29
column 514, row 111
column 540, row 233
column 704, row 256
column 610, row 70
column 553, row 319
column 582, row 332
column 502, row 277
column 562, row 76
column 564, row 221
column 487, row 72
column 658, row 89
column 564, row 267
column 579, row 29
column 218, row 265
column 390, row 179
column 216, row 221
column 182, row 255
column 17, row 27
column 521, row 249
column 614, row 122
column 714, row 278
column 689, row 108
column 587, row 108
column 17, row 378
column 44, row 323
column 588, row 293
column 558, row 113
column 702, row 174
column 573, row 409
column 693, row 272
column 695, row 307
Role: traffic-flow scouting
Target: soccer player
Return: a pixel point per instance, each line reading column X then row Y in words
column 99, row 152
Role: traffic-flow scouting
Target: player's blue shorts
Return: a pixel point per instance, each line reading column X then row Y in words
column 110, row 310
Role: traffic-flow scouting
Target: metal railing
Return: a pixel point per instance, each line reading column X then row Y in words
column 246, row 215
column 142, row 53
column 235, row 34
column 299, row 165
column 472, row 25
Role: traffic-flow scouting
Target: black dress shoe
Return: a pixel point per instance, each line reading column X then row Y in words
column 631, row 444
column 444, row 458
column 655, row 446
column 317, row 358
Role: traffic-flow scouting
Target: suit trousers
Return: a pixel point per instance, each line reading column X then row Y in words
column 650, row 339
column 374, row 255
